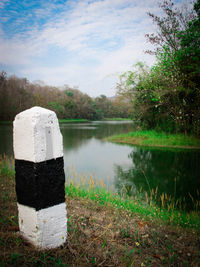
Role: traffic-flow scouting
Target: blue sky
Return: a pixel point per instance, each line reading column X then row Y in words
column 75, row 42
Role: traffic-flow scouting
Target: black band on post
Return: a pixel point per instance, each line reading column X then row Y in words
column 40, row 185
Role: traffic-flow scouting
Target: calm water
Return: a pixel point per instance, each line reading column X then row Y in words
column 176, row 172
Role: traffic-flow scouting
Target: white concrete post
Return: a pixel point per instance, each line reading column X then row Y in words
column 40, row 178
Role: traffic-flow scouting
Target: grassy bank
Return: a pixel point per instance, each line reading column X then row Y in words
column 169, row 212
column 153, row 138
column 103, row 230
column 145, row 210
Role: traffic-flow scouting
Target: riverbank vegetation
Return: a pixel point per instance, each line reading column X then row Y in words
column 104, row 229
column 144, row 207
column 157, row 139
column 166, row 96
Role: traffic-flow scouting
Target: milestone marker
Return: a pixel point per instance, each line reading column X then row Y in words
column 40, row 177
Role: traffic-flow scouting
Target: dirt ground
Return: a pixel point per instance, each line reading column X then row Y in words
column 97, row 236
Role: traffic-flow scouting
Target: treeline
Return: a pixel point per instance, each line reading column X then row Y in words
column 17, row 94
column 166, row 97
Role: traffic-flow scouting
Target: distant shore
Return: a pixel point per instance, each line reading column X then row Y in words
column 75, row 120
column 72, row 120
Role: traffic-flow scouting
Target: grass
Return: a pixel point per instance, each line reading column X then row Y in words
column 153, row 138
column 103, row 230
column 136, row 206
column 170, row 211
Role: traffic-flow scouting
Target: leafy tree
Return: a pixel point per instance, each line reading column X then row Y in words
column 173, row 21
column 104, row 106
column 166, row 96
column 58, row 108
column 188, row 56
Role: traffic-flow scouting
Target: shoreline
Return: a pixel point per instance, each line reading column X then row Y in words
column 156, row 140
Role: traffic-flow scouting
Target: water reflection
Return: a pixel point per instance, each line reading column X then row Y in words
column 76, row 135
column 174, row 172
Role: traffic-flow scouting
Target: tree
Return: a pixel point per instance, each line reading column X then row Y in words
column 104, row 106
column 3, row 95
column 188, row 56
column 18, row 94
column 167, row 96
column 173, row 21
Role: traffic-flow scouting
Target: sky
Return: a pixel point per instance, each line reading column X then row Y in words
column 75, row 42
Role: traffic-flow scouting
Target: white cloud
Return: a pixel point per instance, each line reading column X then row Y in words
column 95, row 41
column 3, row 3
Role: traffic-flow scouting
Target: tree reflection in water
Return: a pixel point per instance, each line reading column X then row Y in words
column 175, row 172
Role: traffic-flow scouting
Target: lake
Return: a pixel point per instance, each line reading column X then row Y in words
column 175, row 172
